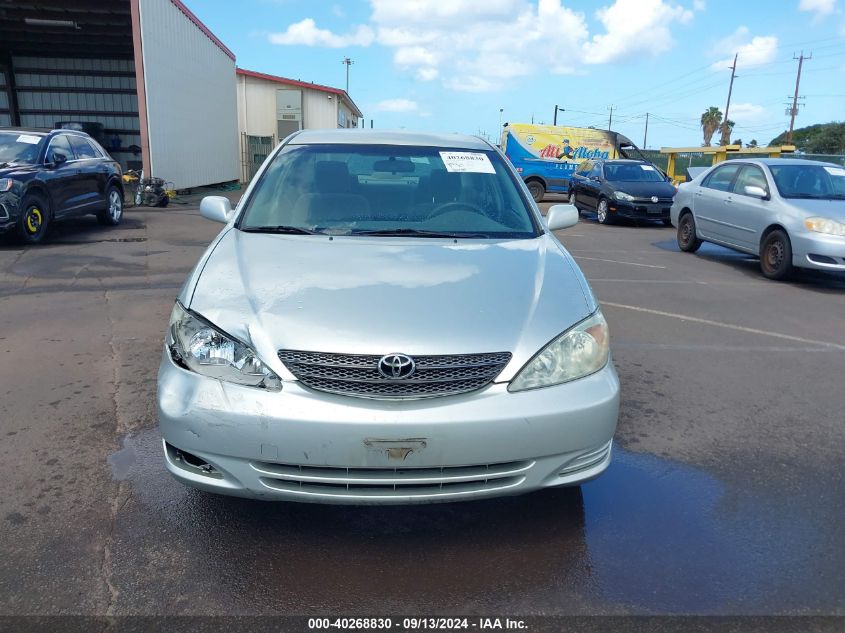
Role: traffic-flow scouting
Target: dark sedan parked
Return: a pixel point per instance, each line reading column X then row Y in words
column 620, row 188
column 51, row 175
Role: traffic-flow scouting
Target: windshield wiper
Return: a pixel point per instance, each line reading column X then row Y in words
column 419, row 233
column 281, row 229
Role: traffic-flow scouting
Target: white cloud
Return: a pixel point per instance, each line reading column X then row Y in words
column 306, row 33
column 752, row 51
column 480, row 45
column 397, row 105
column 820, row 7
column 699, row 5
column 427, row 74
column 634, row 26
column 746, row 112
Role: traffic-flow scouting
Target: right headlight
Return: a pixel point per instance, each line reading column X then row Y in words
column 580, row 351
column 825, row 225
column 621, row 195
column 200, row 347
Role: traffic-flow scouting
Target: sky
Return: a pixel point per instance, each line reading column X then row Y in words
column 465, row 65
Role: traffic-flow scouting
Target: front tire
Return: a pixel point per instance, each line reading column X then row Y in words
column 603, row 212
column 687, row 239
column 34, row 219
column 536, row 189
column 113, row 213
column 776, row 256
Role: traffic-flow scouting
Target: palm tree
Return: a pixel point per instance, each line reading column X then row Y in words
column 710, row 121
column 726, row 128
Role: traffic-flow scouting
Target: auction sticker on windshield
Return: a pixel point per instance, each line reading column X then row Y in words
column 467, row 162
column 28, row 138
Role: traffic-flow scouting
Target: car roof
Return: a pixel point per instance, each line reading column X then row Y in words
column 621, row 161
column 360, row 136
column 41, row 131
column 787, row 161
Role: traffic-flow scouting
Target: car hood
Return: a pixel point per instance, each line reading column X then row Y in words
column 391, row 295
column 833, row 209
column 15, row 170
column 644, row 189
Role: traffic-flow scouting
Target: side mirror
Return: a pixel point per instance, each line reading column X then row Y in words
column 561, row 216
column 58, row 159
column 757, row 192
column 216, row 208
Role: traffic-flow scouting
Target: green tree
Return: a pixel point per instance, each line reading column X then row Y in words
column 737, row 142
column 753, row 143
column 822, row 138
column 710, row 120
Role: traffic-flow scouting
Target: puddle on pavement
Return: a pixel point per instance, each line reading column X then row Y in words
column 648, row 536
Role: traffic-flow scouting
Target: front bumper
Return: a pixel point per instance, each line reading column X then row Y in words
column 818, row 251
column 9, row 204
column 640, row 209
column 301, row 445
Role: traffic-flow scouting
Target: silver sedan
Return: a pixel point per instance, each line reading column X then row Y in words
column 386, row 318
column 789, row 212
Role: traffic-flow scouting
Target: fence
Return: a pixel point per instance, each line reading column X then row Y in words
column 699, row 159
column 255, row 149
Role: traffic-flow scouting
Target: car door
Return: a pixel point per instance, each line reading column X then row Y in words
column 89, row 163
column 712, row 202
column 591, row 186
column 577, row 180
column 749, row 214
column 61, row 176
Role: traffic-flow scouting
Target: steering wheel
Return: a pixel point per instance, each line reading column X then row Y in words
column 455, row 205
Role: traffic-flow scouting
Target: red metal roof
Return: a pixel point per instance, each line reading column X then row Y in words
column 202, row 27
column 301, row 84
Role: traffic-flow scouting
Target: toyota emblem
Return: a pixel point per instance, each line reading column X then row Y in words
column 654, row 198
column 396, row 366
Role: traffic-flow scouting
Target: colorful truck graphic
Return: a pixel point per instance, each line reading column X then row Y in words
column 546, row 156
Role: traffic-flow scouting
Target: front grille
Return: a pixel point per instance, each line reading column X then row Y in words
column 371, row 483
column 358, row 375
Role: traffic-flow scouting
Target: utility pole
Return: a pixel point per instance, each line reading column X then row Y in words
column 610, row 120
column 794, row 109
column 645, row 135
column 556, row 109
column 500, row 117
column 726, row 130
column 348, row 62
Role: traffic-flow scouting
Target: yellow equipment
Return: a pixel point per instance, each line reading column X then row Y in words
column 720, row 153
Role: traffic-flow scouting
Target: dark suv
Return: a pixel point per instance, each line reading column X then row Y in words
column 51, row 175
column 633, row 189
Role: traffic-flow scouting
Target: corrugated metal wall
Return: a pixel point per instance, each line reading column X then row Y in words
column 257, row 106
column 319, row 109
column 5, row 115
column 191, row 99
column 53, row 89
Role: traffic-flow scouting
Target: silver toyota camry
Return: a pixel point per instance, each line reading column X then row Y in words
column 789, row 212
column 386, row 318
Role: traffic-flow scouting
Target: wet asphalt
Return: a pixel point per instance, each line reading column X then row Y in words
column 726, row 494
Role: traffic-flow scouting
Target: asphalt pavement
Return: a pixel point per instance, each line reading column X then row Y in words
column 726, row 494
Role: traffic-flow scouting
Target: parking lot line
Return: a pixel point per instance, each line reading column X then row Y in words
column 728, row 326
column 613, row 261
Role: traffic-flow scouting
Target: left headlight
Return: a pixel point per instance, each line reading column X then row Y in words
column 580, row 351
column 6, row 184
column 825, row 225
column 200, row 347
column 621, row 195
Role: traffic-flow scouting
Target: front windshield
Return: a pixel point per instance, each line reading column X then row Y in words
column 365, row 189
column 632, row 172
column 19, row 148
column 810, row 181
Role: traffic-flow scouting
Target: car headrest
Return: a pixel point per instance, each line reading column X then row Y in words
column 331, row 176
column 445, row 186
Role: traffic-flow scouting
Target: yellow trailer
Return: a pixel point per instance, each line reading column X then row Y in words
column 720, row 153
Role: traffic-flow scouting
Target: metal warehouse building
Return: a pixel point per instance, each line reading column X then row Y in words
column 145, row 77
column 270, row 108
